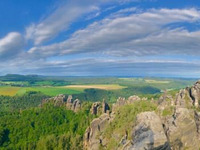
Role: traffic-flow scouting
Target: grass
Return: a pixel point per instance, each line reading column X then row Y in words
column 55, row 90
column 51, row 91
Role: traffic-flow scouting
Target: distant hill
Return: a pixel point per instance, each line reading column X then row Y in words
column 17, row 77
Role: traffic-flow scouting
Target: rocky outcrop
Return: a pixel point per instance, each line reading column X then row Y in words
column 175, row 125
column 95, row 108
column 195, row 93
column 148, row 134
column 58, row 100
column 69, row 102
column 122, row 101
column 181, row 130
column 105, row 107
column 99, row 108
column 61, row 100
column 197, row 120
column 76, row 106
column 91, row 139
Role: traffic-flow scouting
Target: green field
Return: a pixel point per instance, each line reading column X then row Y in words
column 53, row 91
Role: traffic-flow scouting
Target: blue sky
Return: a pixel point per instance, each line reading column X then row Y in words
column 158, row 38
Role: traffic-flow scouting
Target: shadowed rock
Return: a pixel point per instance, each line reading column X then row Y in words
column 148, row 134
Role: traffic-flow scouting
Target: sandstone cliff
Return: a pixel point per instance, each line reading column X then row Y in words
column 171, row 122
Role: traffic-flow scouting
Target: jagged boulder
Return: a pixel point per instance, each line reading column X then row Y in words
column 181, row 130
column 76, row 106
column 61, row 100
column 197, row 120
column 91, row 139
column 148, row 134
column 95, row 108
column 195, row 93
column 69, row 102
column 120, row 102
column 133, row 98
column 99, row 108
column 105, row 107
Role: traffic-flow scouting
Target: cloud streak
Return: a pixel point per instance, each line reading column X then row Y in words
column 146, row 33
column 11, row 45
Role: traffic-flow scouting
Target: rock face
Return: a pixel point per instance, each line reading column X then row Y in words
column 69, row 102
column 91, row 141
column 61, row 100
column 148, row 134
column 105, row 107
column 122, row 101
column 95, row 108
column 76, row 106
column 99, row 108
column 195, row 93
column 175, row 125
column 181, row 130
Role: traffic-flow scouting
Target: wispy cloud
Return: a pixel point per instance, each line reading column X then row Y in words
column 11, row 45
column 145, row 33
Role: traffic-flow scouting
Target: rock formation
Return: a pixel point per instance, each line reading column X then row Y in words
column 148, row 133
column 195, row 93
column 61, row 100
column 76, row 105
column 91, row 142
column 178, row 129
column 99, row 108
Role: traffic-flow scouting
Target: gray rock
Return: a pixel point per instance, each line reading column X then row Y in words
column 76, row 106
column 105, row 107
column 148, row 134
column 181, row 130
column 95, row 108
column 91, row 139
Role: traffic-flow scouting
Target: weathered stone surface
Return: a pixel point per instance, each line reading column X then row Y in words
column 105, row 107
column 91, row 141
column 120, row 102
column 132, row 99
column 148, row 134
column 95, row 107
column 195, row 93
column 197, row 120
column 69, row 102
column 181, row 130
column 61, row 100
column 76, row 106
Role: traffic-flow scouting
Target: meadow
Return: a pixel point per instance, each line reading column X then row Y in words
column 54, row 90
column 12, row 85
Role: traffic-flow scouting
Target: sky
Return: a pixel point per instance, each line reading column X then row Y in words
column 151, row 38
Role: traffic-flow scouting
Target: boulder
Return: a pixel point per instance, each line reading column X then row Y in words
column 69, row 102
column 95, row 108
column 181, row 130
column 148, row 134
column 195, row 93
column 76, row 106
column 91, row 139
column 105, row 107
column 59, row 100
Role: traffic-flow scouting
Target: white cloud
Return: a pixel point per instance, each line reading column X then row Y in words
column 11, row 45
column 61, row 19
column 144, row 33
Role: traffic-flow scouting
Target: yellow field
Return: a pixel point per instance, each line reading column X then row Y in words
column 9, row 91
column 100, row 86
column 157, row 81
